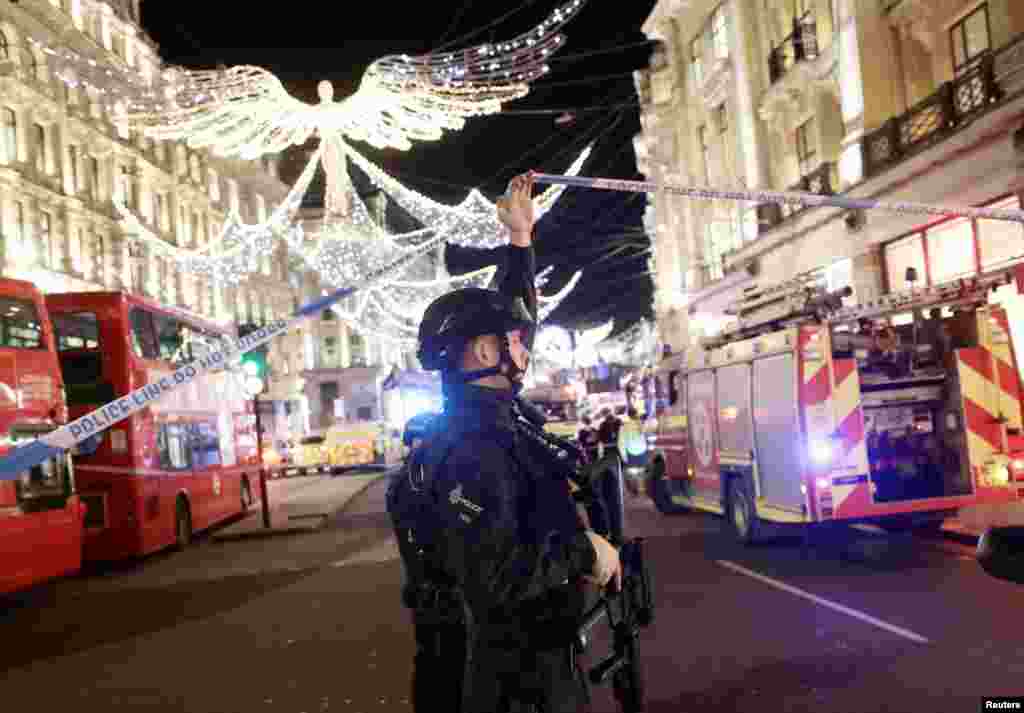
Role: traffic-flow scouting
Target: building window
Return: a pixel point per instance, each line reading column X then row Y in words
column 44, row 244
column 705, row 151
column 124, row 185
column 31, row 64
column 1000, row 241
column 10, row 139
column 806, row 150
column 5, row 47
column 970, row 39
column 951, row 251
column 39, row 134
column 94, row 178
column 19, row 224
column 159, row 210
column 73, row 167
column 214, row 184
column 719, row 34
column 900, row 255
column 76, row 245
column 720, row 237
column 697, row 61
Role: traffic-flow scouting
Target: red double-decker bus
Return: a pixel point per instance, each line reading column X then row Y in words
column 40, row 515
column 183, row 464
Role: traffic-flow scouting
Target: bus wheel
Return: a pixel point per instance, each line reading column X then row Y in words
column 183, row 524
column 741, row 512
column 659, row 490
column 246, row 494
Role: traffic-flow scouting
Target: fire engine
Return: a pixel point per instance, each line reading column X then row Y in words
column 809, row 410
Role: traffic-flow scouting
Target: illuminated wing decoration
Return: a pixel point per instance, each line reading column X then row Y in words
column 245, row 111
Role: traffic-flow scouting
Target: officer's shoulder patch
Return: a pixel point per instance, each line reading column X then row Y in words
column 467, row 510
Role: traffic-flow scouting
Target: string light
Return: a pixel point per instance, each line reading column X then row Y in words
column 246, row 111
column 472, row 222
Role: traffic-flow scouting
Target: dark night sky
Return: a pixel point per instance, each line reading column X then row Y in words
column 304, row 42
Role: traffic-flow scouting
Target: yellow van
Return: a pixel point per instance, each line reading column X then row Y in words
column 310, row 455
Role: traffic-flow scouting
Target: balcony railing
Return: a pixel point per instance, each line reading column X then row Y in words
column 996, row 76
column 801, row 45
column 822, row 180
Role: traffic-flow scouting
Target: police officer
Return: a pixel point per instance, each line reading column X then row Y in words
column 437, row 609
column 510, row 536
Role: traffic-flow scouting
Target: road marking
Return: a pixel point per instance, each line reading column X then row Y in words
column 384, row 551
column 797, row 592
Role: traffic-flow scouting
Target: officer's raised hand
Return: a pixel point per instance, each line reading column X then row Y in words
column 607, row 566
column 515, row 210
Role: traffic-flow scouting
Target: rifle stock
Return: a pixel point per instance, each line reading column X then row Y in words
column 627, row 610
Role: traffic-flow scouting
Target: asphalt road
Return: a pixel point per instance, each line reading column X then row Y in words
column 312, row 623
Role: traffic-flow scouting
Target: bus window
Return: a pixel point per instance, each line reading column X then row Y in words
column 205, row 445
column 77, row 330
column 81, row 358
column 170, row 338
column 19, row 325
column 173, row 445
column 143, row 334
column 45, row 485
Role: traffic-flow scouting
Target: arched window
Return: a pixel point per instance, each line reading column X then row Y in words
column 5, row 47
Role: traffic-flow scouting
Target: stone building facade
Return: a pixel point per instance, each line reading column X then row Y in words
column 894, row 100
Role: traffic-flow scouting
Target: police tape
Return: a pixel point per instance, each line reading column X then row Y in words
column 792, row 197
column 22, row 458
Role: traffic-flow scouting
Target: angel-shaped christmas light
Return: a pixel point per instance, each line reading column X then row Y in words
column 245, row 111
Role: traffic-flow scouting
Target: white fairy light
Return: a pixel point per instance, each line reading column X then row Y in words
column 246, row 111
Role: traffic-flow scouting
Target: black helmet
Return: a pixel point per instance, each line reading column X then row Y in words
column 453, row 319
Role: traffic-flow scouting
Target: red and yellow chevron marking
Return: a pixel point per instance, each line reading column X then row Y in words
column 815, row 397
column 980, row 399
column 998, row 341
column 851, row 496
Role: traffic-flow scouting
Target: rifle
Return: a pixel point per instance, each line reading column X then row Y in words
column 627, row 610
column 635, row 605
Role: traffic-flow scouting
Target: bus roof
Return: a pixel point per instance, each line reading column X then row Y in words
column 67, row 301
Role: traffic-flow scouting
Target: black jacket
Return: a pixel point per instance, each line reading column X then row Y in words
column 512, row 537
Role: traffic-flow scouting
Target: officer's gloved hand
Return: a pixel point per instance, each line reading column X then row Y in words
column 607, row 566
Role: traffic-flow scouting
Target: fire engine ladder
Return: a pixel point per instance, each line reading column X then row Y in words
column 958, row 292
column 798, row 301
column 763, row 309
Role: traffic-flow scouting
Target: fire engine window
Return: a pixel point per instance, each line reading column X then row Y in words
column 735, row 433
column 19, row 325
column 143, row 334
column 173, row 445
column 76, row 331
